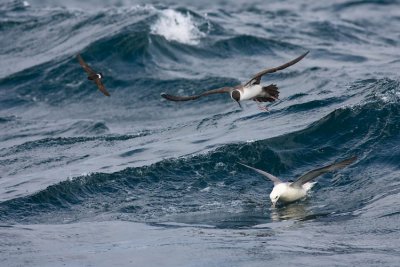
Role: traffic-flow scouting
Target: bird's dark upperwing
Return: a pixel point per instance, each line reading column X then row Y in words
column 101, row 87
column 193, row 97
column 256, row 79
column 317, row 172
column 85, row 66
column 270, row 177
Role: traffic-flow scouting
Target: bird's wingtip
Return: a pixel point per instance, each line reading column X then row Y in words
column 351, row 159
column 104, row 91
column 244, row 165
column 169, row 97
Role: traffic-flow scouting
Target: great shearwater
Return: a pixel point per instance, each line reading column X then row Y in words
column 251, row 90
column 93, row 76
column 287, row 192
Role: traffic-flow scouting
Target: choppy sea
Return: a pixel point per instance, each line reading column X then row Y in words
column 135, row 180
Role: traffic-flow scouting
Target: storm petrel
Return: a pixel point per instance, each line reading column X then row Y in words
column 251, row 90
column 93, row 76
column 291, row 191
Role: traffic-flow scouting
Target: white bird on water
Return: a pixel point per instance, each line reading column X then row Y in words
column 291, row 191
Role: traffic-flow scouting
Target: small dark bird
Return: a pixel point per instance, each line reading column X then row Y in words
column 93, row 76
column 252, row 90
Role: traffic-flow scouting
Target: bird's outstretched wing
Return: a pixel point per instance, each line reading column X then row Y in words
column 256, row 79
column 270, row 177
column 101, row 87
column 193, row 97
column 317, row 172
column 85, row 66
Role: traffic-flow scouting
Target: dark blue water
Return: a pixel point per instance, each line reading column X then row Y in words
column 135, row 180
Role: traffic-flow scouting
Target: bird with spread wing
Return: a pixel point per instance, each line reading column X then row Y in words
column 93, row 76
column 287, row 192
column 251, row 90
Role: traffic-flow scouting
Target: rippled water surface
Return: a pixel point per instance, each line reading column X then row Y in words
column 135, row 180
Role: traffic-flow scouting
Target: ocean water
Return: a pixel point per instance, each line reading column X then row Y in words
column 135, row 180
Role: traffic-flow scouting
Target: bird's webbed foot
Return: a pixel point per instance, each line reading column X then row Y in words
column 261, row 106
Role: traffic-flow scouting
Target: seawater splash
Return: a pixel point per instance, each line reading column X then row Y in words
column 175, row 26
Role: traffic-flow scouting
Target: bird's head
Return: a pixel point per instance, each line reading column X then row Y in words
column 276, row 193
column 236, row 96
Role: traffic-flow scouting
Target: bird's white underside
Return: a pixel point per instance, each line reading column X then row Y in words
column 250, row 91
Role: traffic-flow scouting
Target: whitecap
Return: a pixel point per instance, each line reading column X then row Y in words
column 175, row 26
column 206, row 189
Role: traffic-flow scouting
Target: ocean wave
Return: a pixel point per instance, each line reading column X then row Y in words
column 69, row 154
column 175, row 26
column 53, row 118
column 64, row 141
column 191, row 184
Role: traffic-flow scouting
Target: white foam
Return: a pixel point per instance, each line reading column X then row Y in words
column 25, row 3
column 175, row 26
column 207, row 189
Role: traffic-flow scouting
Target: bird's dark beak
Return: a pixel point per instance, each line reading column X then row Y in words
column 240, row 105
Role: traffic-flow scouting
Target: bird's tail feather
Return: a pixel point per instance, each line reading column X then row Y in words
column 272, row 90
